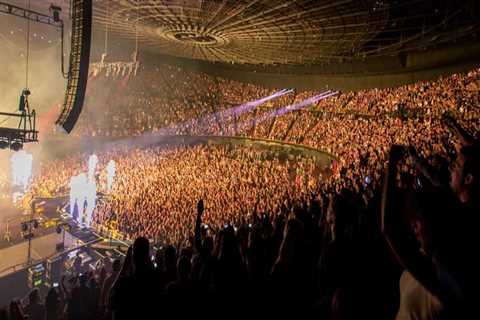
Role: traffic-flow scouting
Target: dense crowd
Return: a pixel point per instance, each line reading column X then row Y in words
column 155, row 188
column 275, row 235
column 356, row 127
column 321, row 257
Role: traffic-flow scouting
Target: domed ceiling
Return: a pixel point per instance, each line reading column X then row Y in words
column 286, row 32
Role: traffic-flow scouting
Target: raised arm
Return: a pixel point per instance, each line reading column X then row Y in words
column 466, row 138
column 427, row 170
column 198, row 224
column 394, row 228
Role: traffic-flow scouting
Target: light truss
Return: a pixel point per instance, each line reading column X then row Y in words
column 29, row 14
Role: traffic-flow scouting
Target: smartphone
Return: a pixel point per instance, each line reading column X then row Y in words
column 368, row 180
column 55, row 284
column 418, row 181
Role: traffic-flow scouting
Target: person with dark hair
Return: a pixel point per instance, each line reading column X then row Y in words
column 291, row 271
column 181, row 291
column 465, row 175
column 78, row 299
column 94, row 297
column 53, row 305
column 3, row 314
column 429, row 288
column 465, row 183
column 338, row 262
column 170, row 272
column 134, row 293
column 77, row 263
column 230, row 271
column 15, row 311
column 107, row 284
column 35, row 310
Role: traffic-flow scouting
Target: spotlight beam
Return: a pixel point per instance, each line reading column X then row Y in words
column 281, row 111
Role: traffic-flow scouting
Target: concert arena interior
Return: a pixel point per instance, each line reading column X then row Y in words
column 254, row 158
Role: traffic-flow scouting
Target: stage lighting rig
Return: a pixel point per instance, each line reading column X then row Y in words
column 115, row 69
column 118, row 68
column 15, row 138
column 81, row 15
column 16, row 146
column 25, row 132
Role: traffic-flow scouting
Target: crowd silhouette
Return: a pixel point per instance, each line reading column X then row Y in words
column 389, row 233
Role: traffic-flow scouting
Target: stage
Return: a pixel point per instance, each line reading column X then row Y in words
column 14, row 248
column 11, row 219
column 15, row 257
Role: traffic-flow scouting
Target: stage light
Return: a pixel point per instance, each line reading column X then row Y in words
column 16, row 146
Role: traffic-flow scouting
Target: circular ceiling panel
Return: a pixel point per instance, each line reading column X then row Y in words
column 282, row 32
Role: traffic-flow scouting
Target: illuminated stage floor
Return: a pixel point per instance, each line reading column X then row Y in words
column 42, row 248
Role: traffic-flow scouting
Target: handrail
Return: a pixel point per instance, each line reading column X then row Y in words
column 56, row 254
column 105, row 140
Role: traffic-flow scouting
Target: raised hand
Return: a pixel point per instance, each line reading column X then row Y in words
column 200, row 207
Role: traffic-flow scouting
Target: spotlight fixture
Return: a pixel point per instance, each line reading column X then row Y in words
column 16, row 146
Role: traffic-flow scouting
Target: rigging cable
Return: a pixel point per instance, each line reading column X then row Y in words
column 106, row 30
column 136, row 30
column 27, row 56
